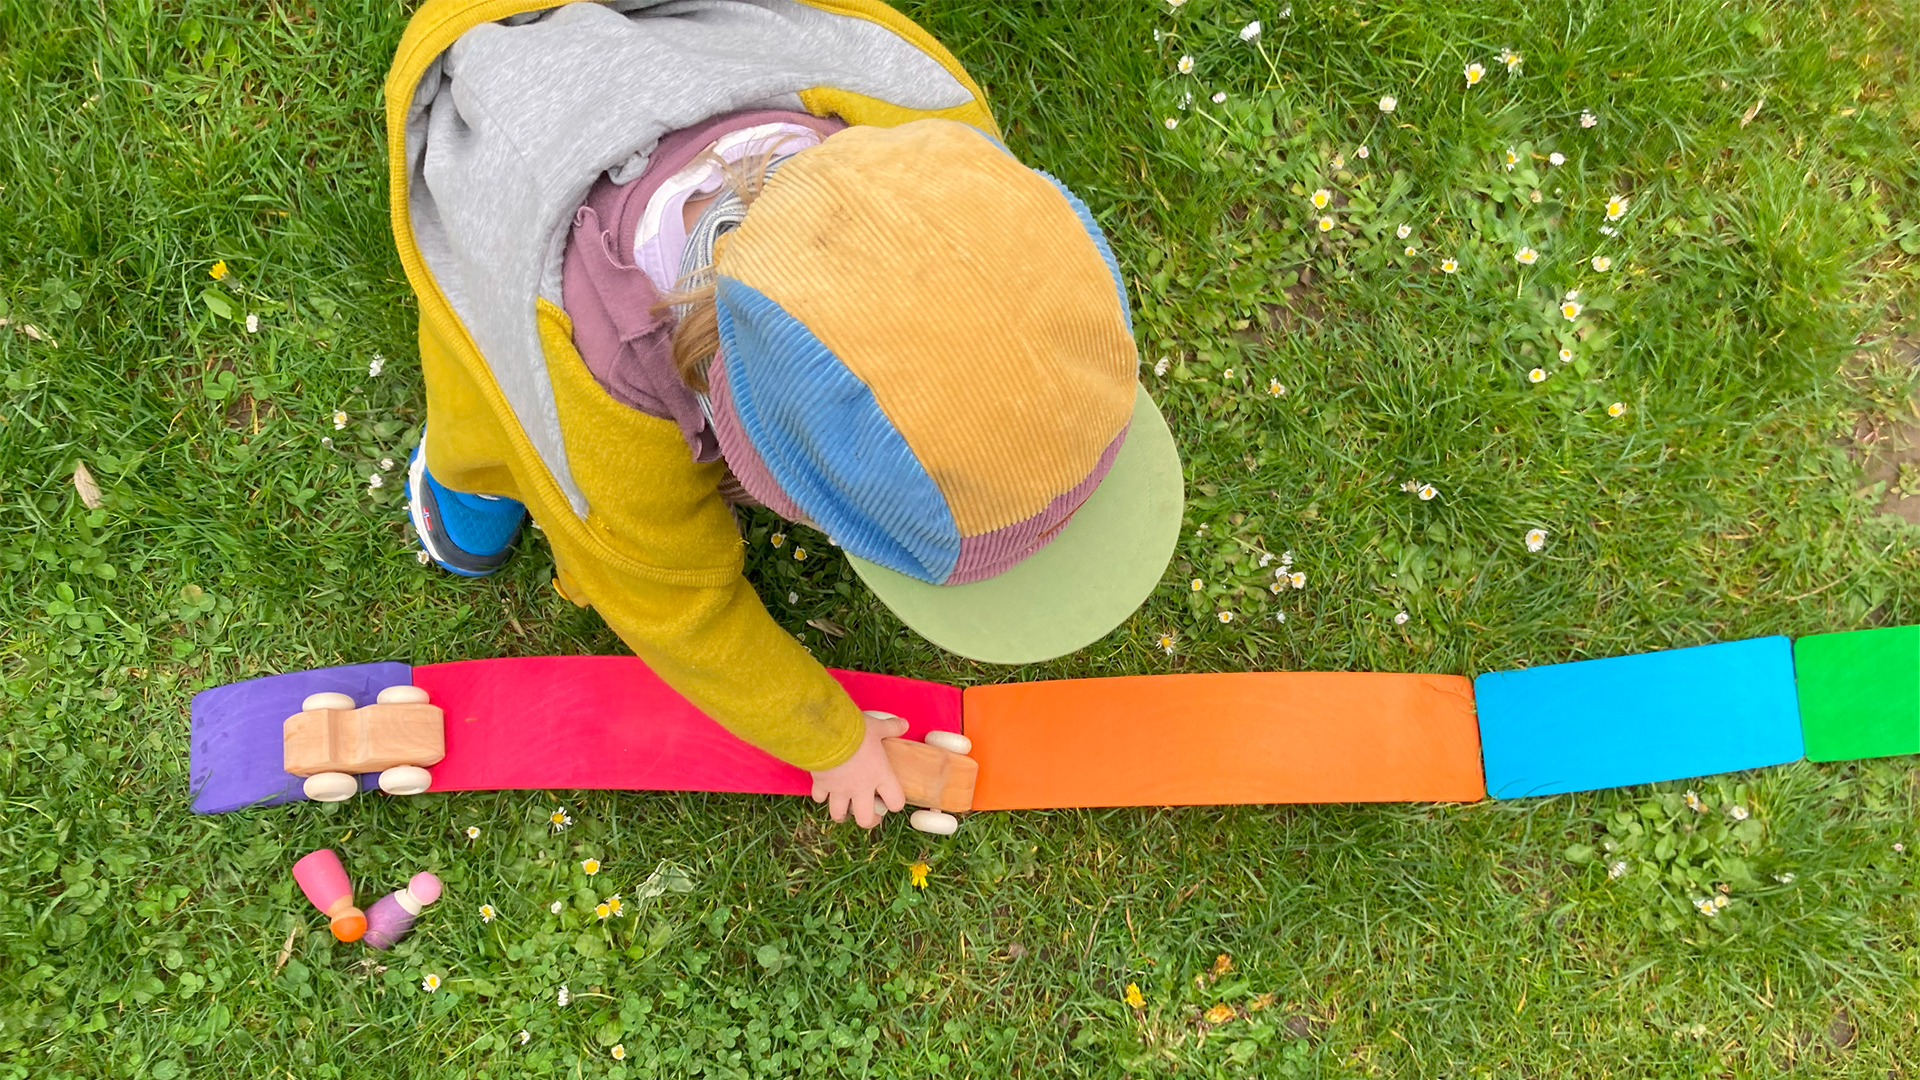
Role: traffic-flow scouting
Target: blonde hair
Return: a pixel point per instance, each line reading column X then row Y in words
column 696, row 334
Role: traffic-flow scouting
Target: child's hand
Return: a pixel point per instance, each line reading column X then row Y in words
column 866, row 777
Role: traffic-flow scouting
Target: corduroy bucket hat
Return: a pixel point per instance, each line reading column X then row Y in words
column 926, row 352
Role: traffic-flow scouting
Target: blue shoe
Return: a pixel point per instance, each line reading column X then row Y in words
column 469, row 535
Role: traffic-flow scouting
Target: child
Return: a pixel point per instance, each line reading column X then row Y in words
column 671, row 255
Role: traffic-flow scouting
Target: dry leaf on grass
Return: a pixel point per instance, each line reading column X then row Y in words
column 1752, row 110
column 828, row 627
column 83, row 483
column 286, row 949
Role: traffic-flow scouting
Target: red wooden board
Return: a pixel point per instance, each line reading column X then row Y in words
column 608, row 722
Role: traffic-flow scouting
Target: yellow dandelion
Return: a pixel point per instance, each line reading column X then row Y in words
column 777, row 539
column 1219, row 1014
column 1526, row 256
column 1475, row 72
column 1537, row 375
column 1616, row 207
column 1602, row 264
column 590, row 867
column 1448, row 266
column 1222, row 964
column 1133, row 998
column 1618, row 408
column 1321, row 198
column 917, row 875
column 1571, row 310
column 218, row 271
column 1326, row 224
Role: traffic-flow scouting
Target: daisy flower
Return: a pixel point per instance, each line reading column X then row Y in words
column 1362, row 152
column 1325, row 224
column 525, row 1036
column 1537, row 375
column 339, row 419
column 1526, row 256
column 1475, row 73
column 253, row 324
column 1219, row 97
column 799, row 554
column 1536, row 539
column 487, row 913
column 590, row 867
column 1298, row 579
column 1275, row 388
column 1738, row 813
column 1160, row 368
column 1512, row 60
column 777, row 539
column 1587, row 119
column 1405, row 230
column 1250, row 32
column 1570, row 310
column 1427, row 492
column 1556, row 158
column 1171, row 122
column 1388, row 103
column 1226, row 616
column 1448, row 266
column 793, row 598
column 1185, row 65
column 376, row 365
column 375, row 480
column 556, row 906
column 1227, row 375
column 1411, row 251
column 561, row 997
column 1607, row 230
column 1321, row 198
column 1276, row 587
column 1166, row 642
column 1534, row 196
column 559, row 819
column 473, row 832
column 1617, row 868
column 1566, row 354
column 1695, row 804
column 1198, row 585
column 615, row 905
column 1618, row 408
column 1512, row 159
column 430, row 983
column 602, row 910
column 619, row 1052
column 386, row 463
column 1400, row 618
column 1706, row 907
column 1616, row 207
column 1175, row 3
column 1601, row 264
column 1339, row 161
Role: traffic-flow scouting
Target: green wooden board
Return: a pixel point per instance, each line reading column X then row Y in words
column 1859, row 693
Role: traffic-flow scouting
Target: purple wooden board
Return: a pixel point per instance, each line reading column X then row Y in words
column 234, row 748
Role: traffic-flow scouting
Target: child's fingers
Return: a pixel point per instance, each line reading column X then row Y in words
column 891, row 793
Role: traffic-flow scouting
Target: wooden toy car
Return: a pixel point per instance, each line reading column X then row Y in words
column 329, row 741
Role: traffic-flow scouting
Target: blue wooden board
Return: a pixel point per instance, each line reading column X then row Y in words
column 1636, row 719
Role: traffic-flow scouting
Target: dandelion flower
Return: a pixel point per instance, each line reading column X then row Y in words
column 619, row 1052
column 1512, row 159
column 1448, row 266
column 1617, row 868
column 1526, row 256
column 561, row 997
column 1160, row 367
column 430, row 983
column 1536, row 539
column 1219, row 97
column 487, row 913
column 559, row 819
column 376, row 365
column 590, row 867
column 1427, row 492
column 1166, row 643
column 375, row 480
column 1388, row 103
column 1185, row 65
column 1587, row 119
column 1226, row 616
column 1298, row 579
column 339, row 419
column 1616, row 207
column 1275, row 388
column 218, row 270
column 1537, row 375
column 1617, row 409
column 917, row 875
column 556, row 906
column 253, row 324
column 1250, row 32
column 602, row 910
column 1601, row 264
column 1694, row 803
column 1475, row 73
column 1220, row 1013
column 1556, row 158
column 1362, row 152
column 1570, row 310
column 1738, row 813
column 1326, row 224
column 1405, row 230
column 1171, row 122
column 1321, row 198
column 777, row 539
column 1566, row 354
column 1132, row 997
column 473, row 832
column 1400, row 618
column 1197, row 585
column 1512, row 60
column 1411, row 251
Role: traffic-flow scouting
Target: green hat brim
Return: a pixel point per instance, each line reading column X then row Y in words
column 1095, row 573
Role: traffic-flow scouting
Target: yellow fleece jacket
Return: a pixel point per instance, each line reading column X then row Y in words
column 658, row 553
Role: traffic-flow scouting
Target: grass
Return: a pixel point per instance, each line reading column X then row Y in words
column 1756, row 323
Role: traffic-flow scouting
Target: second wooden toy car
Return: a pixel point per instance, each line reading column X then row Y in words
column 329, row 741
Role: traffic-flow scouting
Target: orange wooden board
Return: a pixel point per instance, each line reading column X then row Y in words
column 1200, row 740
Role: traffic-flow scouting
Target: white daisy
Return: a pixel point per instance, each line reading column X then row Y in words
column 1388, row 103
column 1536, row 539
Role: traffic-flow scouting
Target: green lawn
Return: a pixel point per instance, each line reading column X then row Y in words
column 1756, row 322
